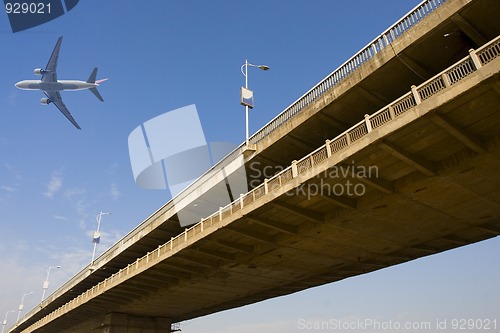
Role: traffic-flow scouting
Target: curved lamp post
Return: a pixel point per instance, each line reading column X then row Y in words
column 5, row 320
column 21, row 306
column 97, row 235
column 46, row 282
column 245, row 73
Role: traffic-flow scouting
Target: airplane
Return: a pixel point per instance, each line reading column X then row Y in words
column 52, row 87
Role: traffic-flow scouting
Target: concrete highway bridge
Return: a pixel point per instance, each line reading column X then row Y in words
column 392, row 157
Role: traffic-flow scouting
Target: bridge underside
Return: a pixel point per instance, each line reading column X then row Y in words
column 425, row 183
column 439, row 192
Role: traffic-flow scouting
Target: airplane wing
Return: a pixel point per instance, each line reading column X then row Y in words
column 50, row 74
column 55, row 97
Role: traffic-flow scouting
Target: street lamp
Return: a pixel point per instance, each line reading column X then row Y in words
column 21, row 306
column 46, row 282
column 97, row 234
column 246, row 104
column 5, row 320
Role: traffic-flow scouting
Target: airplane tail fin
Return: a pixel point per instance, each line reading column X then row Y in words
column 92, row 76
column 97, row 94
column 92, row 79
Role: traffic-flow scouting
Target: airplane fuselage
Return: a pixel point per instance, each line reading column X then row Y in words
column 59, row 85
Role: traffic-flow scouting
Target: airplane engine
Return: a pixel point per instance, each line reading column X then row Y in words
column 45, row 101
column 38, row 71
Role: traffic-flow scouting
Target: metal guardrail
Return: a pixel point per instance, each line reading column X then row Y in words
column 414, row 16
column 366, row 53
column 431, row 87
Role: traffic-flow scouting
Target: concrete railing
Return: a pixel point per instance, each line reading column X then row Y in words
column 391, row 112
column 445, row 79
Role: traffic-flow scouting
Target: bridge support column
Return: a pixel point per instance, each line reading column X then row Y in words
column 124, row 323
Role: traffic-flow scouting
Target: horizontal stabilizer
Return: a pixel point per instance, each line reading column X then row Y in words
column 101, row 81
column 97, row 94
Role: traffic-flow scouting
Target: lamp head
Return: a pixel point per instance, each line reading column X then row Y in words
column 264, row 67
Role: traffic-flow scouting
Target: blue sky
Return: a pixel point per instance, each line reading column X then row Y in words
column 163, row 55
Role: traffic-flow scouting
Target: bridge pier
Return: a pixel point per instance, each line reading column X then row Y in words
column 124, row 323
